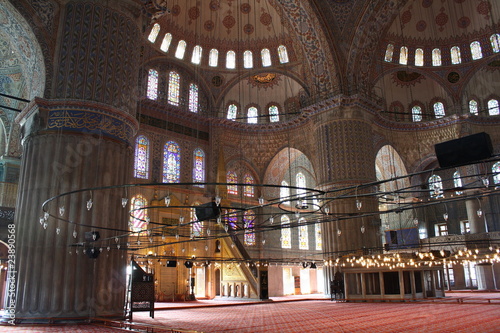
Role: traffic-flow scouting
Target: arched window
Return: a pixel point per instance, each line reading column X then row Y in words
column 252, row 115
column 403, row 56
column 171, row 162
column 154, row 33
column 436, row 57
column 456, row 57
column 496, row 173
column 152, row 92
column 419, row 57
column 196, row 56
column 193, row 97
column 274, row 114
column 389, row 52
column 141, row 162
column 213, row 58
column 248, row 59
column 232, row 219
column 173, row 88
column 435, row 186
column 230, row 60
column 249, row 224
column 232, row 111
column 181, row 49
column 283, row 54
column 416, row 113
column 439, row 110
column 473, row 107
column 196, row 226
column 199, row 166
column 493, row 107
column 232, row 178
column 286, row 233
column 495, row 42
column 284, row 192
column 266, row 57
column 138, row 215
column 300, row 181
column 319, row 238
column 165, row 43
column 475, row 49
column 248, row 190
column 457, row 182
column 303, row 235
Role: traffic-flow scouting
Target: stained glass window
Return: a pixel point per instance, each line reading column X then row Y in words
column 196, row 226
column 252, row 115
column 248, row 59
column 496, row 173
column 152, row 92
column 300, row 181
column 232, row 178
column 403, row 55
column 319, row 238
column 199, row 167
column 419, row 57
column 473, row 107
column 165, row 44
column 248, row 190
column 274, row 114
column 436, row 186
column 141, row 163
column 171, row 162
column 283, row 54
column 232, row 219
column 456, row 57
column 154, row 33
column 231, row 111
column 173, row 88
column 389, row 52
column 286, row 233
column 436, row 57
column 416, row 113
column 457, row 181
column 475, row 49
column 193, row 97
column 284, row 192
column 266, row 57
column 181, row 49
column 493, row 107
column 196, row 56
column 439, row 110
column 138, row 216
column 495, row 42
column 249, row 223
column 303, row 235
column 213, row 58
column 231, row 60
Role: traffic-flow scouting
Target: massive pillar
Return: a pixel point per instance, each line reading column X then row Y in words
column 79, row 138
column 347, row 160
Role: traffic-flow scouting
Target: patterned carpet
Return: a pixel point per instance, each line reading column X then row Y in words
column 473, row 315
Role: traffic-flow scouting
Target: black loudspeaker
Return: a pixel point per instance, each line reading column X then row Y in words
column 92, row 252
column 92, row 236
column 394, row 237
column 466, row 150
column 171, row 263
column 188, row 264
column 207, row 211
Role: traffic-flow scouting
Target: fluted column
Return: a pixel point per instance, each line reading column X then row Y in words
column 347, row 159
column 79, row 139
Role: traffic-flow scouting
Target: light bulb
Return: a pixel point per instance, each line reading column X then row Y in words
column 61, row 210
column 261, row 201
column 217, row 200
column 486, row 182
column 415, row 221
column 208, row 232
column 75, row 234
column 339, row 232
column 181, row 219
column 479, row 212
column 327, row 210
column 58, row 230
column 46, row 216
column 177, row 236
column 167, row 201
column 363, row 229
column 445, row 216
column 89, row 204
column 359, row 204
column 271, row 220
column 124, row 202
column 219, row 219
